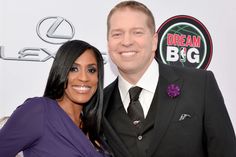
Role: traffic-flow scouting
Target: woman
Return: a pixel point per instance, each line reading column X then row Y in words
column 65, row 122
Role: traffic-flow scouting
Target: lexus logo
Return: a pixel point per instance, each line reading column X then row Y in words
column 55, row 30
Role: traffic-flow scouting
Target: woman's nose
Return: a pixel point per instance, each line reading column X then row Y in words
column 83, row 76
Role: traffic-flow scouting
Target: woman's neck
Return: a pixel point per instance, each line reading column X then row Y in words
column 72, row 110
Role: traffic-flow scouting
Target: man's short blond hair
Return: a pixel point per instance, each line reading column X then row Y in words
column 134, row 5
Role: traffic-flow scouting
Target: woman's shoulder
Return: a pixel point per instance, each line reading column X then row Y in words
column 28, row 120
column 35, row 102
column 34, row 106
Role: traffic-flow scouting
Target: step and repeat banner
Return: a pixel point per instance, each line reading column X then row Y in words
column 197, row 35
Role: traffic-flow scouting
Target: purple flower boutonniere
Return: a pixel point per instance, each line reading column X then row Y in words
column 173, row 91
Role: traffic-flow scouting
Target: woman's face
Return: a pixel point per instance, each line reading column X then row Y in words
column 82, row 79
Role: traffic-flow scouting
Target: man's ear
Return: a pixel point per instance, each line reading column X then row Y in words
column 154, row 41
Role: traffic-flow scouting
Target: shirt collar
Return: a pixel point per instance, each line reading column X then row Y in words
column 150, row 78
column 124, row 87
column 148, row 81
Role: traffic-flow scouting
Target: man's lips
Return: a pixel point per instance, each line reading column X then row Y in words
column 128, row 53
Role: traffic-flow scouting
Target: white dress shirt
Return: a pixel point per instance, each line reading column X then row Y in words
column 148, row 82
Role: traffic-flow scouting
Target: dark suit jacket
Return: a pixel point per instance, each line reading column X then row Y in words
column 194, row 124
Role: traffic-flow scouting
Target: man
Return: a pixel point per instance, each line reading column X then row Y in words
column 182, row 110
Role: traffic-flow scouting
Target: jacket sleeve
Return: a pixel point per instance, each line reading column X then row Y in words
column 220, row 136
column 23, row 128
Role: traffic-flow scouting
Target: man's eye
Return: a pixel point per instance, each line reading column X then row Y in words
column 116, row 34
column 138, row 32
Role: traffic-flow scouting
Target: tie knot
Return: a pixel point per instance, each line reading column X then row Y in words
column 134, row 93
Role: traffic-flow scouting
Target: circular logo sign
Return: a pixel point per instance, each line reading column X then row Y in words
column 55, row 30
column 184, row 41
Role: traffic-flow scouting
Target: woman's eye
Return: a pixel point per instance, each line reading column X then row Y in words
column 92, row 70
column 73, row 69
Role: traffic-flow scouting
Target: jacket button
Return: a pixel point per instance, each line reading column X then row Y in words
column 136, row 122
column 140, row 137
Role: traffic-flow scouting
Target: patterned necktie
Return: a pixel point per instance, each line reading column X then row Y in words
column 135, row 110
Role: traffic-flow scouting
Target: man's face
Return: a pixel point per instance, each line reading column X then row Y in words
column 131, row 44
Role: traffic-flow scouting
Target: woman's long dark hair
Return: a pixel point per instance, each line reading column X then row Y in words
column 57, row 81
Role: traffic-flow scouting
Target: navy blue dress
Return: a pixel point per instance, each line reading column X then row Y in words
column 40, row 128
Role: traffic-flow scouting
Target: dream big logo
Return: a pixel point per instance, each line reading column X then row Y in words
column 184, row 41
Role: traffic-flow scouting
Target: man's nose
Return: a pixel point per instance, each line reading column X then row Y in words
column 127, row 39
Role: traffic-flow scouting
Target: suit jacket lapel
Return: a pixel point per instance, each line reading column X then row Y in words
column 108, row 130
column 166, row 105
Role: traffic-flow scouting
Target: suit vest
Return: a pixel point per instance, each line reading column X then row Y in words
column 137, row 141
